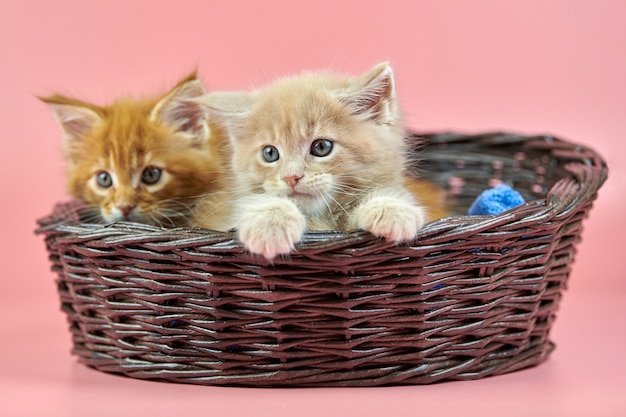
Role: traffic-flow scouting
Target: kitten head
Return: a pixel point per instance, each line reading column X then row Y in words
column 319, row 139
column 142, row 160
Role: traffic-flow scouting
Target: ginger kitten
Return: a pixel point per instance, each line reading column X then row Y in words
column 314, row 152
column 145, row 160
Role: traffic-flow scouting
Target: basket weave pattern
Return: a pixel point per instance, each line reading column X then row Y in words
column 470, row 297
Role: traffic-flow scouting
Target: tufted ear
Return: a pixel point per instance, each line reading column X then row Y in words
column 179, row 110
column 373, row 95
column 229, row 109
column 75, row 118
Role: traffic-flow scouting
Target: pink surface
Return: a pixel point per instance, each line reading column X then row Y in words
column 533, row 67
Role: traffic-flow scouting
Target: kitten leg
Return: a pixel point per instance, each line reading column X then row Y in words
column 391, row 214
column 269, row 225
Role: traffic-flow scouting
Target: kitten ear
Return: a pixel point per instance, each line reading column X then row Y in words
column 373, row 95
column 229, row 109
column 179, row 110
column 75, row 118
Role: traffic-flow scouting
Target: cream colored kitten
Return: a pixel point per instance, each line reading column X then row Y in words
column 318, row 152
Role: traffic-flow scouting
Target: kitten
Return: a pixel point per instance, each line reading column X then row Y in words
column 145, row 160
column 314, row 152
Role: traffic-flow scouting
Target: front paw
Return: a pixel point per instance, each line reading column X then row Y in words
column 395, row 220
column 271, row 227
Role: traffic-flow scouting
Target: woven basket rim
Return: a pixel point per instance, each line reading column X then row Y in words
column 567, row 194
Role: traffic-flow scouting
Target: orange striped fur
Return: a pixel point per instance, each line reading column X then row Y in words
column 146, row 160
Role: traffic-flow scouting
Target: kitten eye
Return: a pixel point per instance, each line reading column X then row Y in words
column 151, row 175
column 321, row 147
column 270, row 154
column 104, row 179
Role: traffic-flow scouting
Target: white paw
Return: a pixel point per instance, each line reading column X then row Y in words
column 395, row 220
column 271, row 227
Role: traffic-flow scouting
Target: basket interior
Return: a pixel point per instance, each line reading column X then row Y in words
column 467, row 165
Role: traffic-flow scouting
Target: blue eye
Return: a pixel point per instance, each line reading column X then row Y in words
column 151, row 175
column 321, row 147
column 104, row 179
column 270, row 154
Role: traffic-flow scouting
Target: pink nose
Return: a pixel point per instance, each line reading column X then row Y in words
column 126, row 209
column 292, row 180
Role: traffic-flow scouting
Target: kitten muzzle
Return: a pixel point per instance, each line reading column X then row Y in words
column 126, row 210
column 292, row 180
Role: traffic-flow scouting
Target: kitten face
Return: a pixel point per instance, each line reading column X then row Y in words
column 140, row 160
column 297, row 159
column 301, row 140
column 140, row 171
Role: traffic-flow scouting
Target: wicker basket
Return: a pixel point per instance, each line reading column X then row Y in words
column 471, row 297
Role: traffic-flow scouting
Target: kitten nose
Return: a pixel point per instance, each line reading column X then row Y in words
column 126, row 209
column 292, row 180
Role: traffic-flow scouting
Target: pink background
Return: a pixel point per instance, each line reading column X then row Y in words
column 533, row 66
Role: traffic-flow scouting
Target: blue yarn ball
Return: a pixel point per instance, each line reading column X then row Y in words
column 495, row 201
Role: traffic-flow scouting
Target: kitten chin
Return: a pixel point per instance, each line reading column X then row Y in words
column 145, row 160
column 313, row 196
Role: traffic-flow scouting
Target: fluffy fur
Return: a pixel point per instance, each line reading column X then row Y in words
column 314, row 151
column 146, row 160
